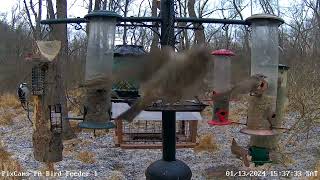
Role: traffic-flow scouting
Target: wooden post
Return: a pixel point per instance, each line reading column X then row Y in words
column 193, row 127
column 119, row 132
column 47, row 146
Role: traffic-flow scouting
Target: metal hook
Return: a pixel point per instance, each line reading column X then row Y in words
column 225, row 27
column 78, row 26
column 48, row 28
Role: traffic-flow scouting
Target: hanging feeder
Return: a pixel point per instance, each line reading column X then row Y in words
column 55, row 118
column 38, row 77
column 221, row 83
column 125, row 57
column 101, row 38
column 264, row 60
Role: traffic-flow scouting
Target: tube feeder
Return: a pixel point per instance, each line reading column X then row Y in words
column 264, row 60
column 221, row 83
column 271, row 142
column 98, row 69
column 127, row 57
column 99, row 58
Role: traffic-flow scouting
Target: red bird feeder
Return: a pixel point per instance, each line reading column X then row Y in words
column 222, row 119
column 221, row 83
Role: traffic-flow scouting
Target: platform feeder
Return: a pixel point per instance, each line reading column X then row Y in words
column 221, row 83
column 264, row 60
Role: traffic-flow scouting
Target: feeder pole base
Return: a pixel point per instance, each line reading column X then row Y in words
column 168, row 170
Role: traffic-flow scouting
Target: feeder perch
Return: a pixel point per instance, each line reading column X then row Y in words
column 99, row 58
column 38, row 77
column 264, row 60
column 221, row 83
column 259, row 155
column 55, row 118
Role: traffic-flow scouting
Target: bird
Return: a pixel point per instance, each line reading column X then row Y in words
column 254, row 85
column 178, row 78
column 23, row 94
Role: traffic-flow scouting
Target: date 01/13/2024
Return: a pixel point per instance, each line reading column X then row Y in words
column 273, row 173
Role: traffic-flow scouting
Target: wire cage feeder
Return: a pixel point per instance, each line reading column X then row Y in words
column 147, row 134
column 55, row 118
column 38, row 79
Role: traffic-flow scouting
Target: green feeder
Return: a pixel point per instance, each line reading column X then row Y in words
column 259, row 155
column 126, row 57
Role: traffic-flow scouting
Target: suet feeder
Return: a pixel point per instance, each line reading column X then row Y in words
column 264, row 60
column 221, row 83
column 126, row 57
column 38, row 79
column 99, row 58
column 55, row 118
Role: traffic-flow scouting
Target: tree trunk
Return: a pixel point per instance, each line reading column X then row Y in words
column 124, row 38
column 199, row 34
column 60, row 67
column 154, row 13
column 97, row 4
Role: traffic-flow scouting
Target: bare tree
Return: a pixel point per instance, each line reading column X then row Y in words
column 59, row 32
column 199, row 33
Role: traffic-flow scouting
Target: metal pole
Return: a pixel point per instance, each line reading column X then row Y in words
column 167, row 25
column 151, row 19
column 168, row 117
column 169, row 135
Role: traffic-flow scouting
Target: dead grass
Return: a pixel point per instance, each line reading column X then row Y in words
column 75, row 127
column 10, row 107
column 4, row 155
column 116, row 175
column 6, row 117
column 8, row 164
column 9, row 100
column 86, row 157
column 206, row 143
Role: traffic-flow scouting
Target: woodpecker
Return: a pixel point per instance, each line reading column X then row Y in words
column 23, row 94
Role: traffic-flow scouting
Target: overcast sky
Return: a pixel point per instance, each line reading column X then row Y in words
column 76, row 8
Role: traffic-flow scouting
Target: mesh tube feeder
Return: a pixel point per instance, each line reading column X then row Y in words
column 38, row 77
column 264, row 60
column 221, row 83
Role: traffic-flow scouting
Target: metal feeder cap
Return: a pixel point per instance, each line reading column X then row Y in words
column 264, row 17
column 128, row 50
column 102, row 14
column 283, row 67
column 222, row 52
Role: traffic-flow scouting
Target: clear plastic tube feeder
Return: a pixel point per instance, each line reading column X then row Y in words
column 99, row 60
column 264, row 60
column 221, row 83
